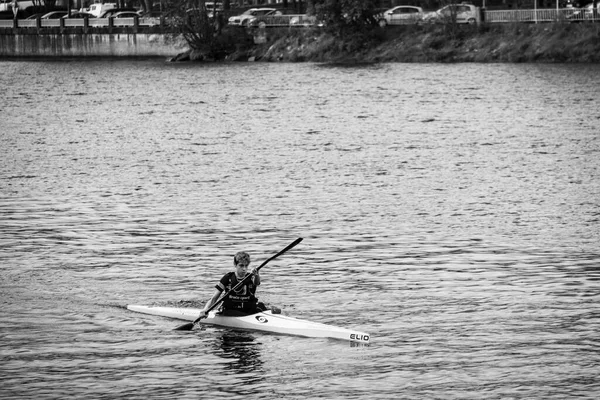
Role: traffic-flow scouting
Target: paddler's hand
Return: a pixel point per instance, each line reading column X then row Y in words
column 203, row 314
column 254, row 271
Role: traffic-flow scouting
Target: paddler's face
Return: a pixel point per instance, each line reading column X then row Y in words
column 241, row 268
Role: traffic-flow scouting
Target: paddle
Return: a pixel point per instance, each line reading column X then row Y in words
column 190, row 325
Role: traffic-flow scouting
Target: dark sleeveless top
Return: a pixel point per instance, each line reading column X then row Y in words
column 243, row 299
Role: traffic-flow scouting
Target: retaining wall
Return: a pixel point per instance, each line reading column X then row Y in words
column 91, row 45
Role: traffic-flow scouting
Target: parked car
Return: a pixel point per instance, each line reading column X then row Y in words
column 35, row 16
column 247, row 16
column 304, row 20
column 80, row 14
column 55, row 15
column 589, row 11
column 113, row 11
column 586, row 13
column 123, row 18
column 271, row 20
column 125, row 14
column 98, row 9
column 454, row 13
column 402, row 15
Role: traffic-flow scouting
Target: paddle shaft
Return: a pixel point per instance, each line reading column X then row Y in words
column 241, row 283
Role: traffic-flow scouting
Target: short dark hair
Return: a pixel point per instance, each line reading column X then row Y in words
column 241, row 256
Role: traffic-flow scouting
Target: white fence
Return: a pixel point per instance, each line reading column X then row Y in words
column 284, row 20
column 542, row 15
column 80, row 22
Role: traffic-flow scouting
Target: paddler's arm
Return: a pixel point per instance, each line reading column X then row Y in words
column 256, row 277
column 212, row 301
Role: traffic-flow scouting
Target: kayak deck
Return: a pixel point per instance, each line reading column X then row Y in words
column 262, row 321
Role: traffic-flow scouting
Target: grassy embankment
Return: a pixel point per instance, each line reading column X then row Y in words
column 550, row 42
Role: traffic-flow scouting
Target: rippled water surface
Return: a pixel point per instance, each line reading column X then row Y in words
column 451, row 211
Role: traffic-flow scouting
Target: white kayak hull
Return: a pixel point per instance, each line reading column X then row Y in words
column 262, row 321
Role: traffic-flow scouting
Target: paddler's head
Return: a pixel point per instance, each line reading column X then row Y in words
column 241, row 261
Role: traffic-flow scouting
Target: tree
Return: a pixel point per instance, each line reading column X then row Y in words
column 146, row 6
column 191, row 19
column 341, row 14
column 204, row 29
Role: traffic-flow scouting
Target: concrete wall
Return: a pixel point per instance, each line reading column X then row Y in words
column 91, row 45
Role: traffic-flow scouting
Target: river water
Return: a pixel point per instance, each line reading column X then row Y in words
column 451, row 211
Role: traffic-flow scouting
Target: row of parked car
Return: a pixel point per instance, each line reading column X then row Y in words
column 403, row 15
column 262, row 17
column 400, row 15
column 463, row 13
column 96, row 10
column 114, row 13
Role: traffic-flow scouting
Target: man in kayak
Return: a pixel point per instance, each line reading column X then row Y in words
column 243, row 301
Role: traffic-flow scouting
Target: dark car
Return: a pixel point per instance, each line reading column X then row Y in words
column 125, row 14
column 35, row 16
column 113, row 11
column 54, row 15
column 80, row 14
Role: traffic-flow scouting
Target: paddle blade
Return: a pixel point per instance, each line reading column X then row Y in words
column 185, row 327
column 190, row 325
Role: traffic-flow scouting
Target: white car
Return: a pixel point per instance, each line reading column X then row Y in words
column 303, row 20
column 402, row 15
column 247, row 16
column 99, row 9
column 455, row 13
column 586, row 13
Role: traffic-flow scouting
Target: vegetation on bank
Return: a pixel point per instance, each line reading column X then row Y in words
column 551, row 42
column 351, row 34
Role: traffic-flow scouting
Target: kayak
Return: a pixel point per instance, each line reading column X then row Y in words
column 264, row 321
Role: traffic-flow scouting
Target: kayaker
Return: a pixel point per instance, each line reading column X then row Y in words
column 243, row 300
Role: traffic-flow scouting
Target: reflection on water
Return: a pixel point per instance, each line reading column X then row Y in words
column 243, row 352
column 449, row 210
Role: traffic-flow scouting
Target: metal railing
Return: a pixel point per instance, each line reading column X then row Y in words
column 541, row 15
column 284, row 20
column 80, row 22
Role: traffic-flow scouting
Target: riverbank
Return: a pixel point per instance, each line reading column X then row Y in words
column 510, row 43
column 570, row 43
